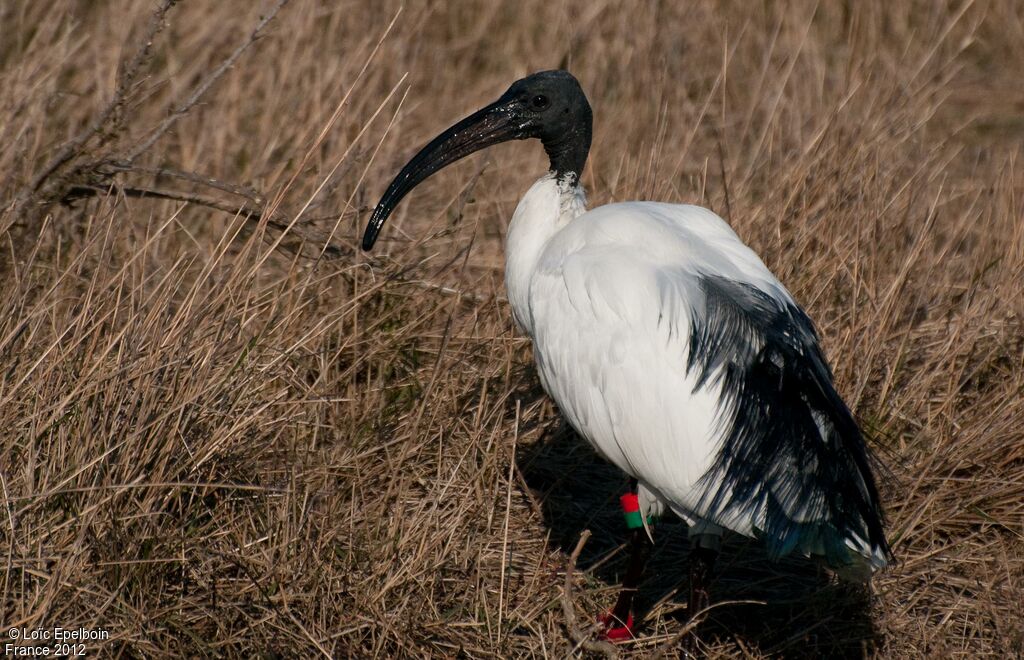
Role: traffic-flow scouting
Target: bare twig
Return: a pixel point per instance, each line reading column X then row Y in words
column 129, row 73
column 93, row 176
column 251, row 194
column 695, row 620
column 83, row 190
column 204, row 86
column 72, row 149
column 255, row 198
column 252, row 213
column 65, row 186
column 581, row 637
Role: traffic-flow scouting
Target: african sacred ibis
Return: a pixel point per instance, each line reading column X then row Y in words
column 671, row 348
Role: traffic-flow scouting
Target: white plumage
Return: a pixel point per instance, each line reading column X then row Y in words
column 608, row 309
column 607, row 297
column 671, row 348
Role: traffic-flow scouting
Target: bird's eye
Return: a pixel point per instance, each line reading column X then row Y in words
column 539, row 102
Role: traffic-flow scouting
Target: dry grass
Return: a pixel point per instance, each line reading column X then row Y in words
column 220, row 442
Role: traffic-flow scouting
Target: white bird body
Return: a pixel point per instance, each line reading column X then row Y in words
column 671, row 348
column 608, row 297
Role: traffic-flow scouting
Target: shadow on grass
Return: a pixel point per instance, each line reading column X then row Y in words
column 805, row 614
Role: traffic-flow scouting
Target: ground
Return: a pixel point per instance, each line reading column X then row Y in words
column 229, row 433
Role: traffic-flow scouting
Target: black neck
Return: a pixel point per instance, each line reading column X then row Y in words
column 569, row 150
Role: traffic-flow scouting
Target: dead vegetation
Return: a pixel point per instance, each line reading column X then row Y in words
column 228, row 433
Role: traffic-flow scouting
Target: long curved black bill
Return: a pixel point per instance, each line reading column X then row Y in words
column 481, row 129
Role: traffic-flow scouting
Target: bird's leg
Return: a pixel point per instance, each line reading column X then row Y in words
column 619, row 622
column 705, row 542
column 702, row 560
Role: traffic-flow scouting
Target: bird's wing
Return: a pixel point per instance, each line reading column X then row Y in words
column 671, row 347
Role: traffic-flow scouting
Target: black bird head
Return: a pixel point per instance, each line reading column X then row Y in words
column 549, row 106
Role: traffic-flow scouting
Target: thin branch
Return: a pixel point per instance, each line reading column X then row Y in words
column 252, row 213
column 126, row 79
column 204, row 86
column 248, row 193
column 581, row 637
column 255, row 197
column 695, row 620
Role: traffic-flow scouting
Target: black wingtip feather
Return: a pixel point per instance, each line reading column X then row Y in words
column 791, row 447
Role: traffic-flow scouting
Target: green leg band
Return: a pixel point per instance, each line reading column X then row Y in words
column 634, row 520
